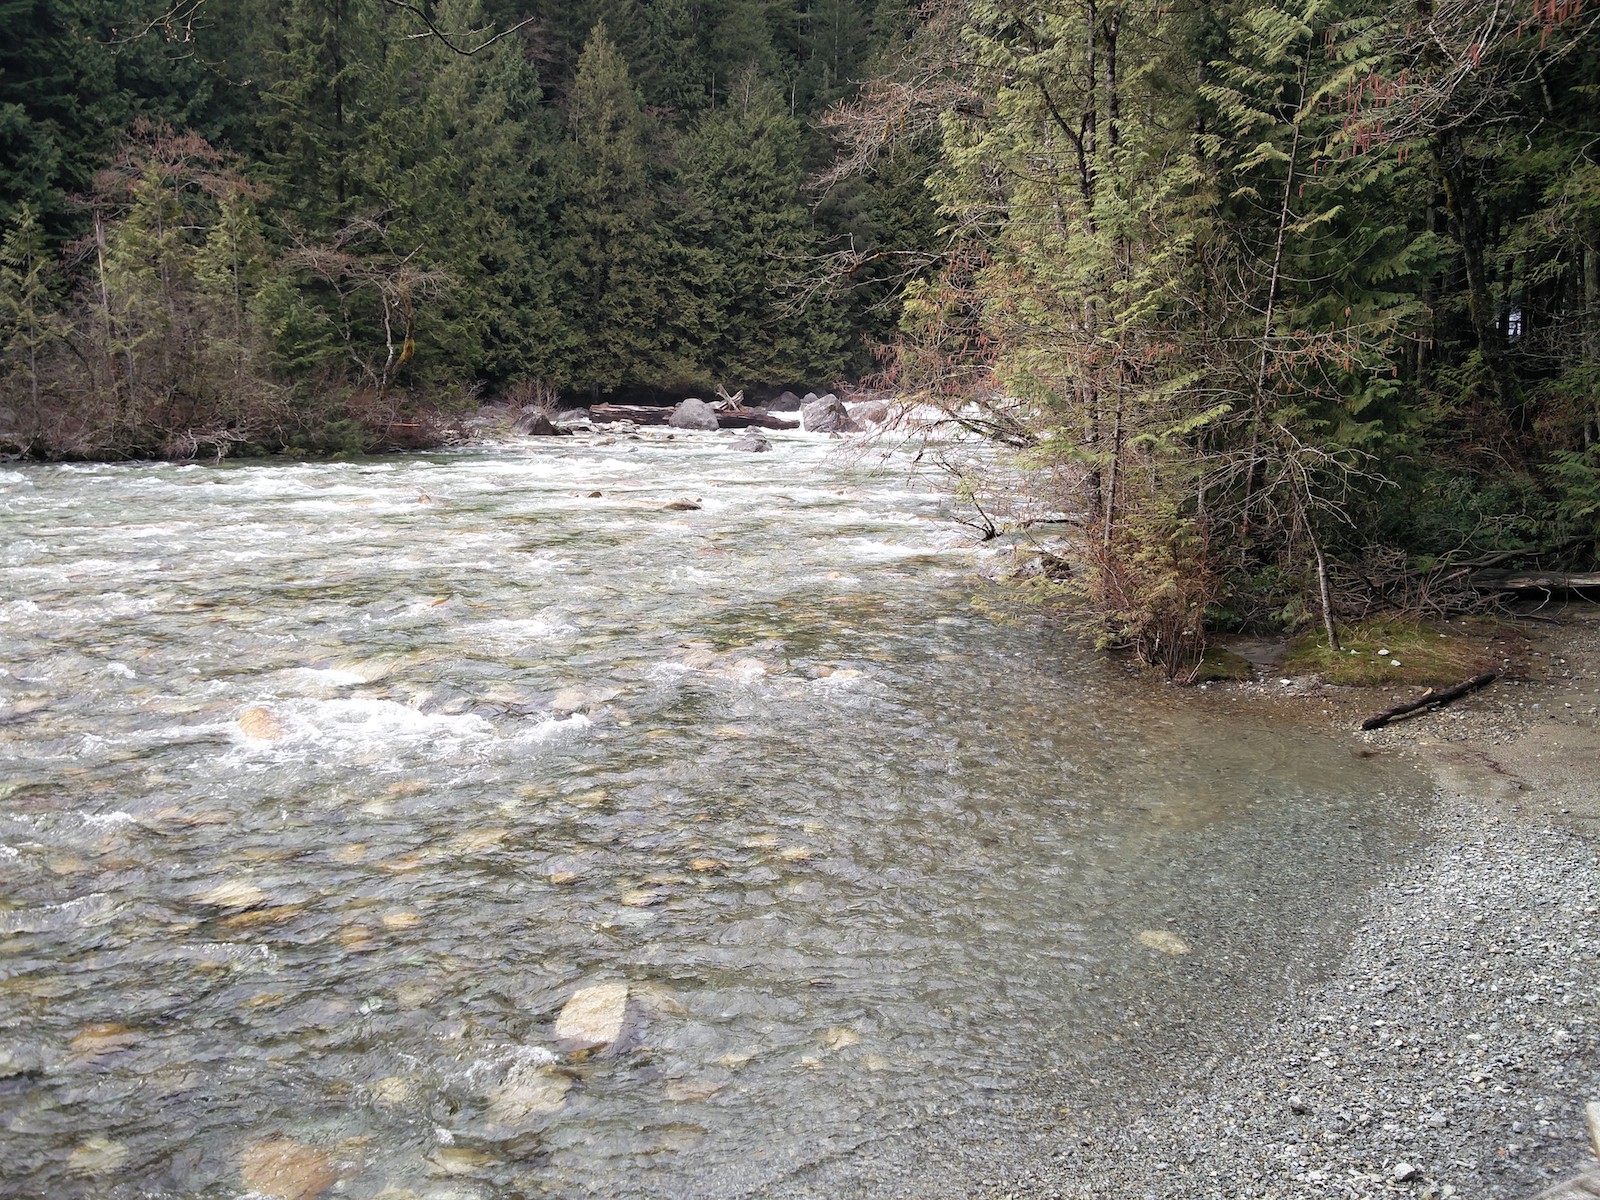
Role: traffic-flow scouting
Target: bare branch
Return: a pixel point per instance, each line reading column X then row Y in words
column 449, row 42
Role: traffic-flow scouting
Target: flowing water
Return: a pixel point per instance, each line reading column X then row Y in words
column 323, row 787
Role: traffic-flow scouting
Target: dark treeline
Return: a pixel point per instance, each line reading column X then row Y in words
column 249, row 225
column 1293, row 304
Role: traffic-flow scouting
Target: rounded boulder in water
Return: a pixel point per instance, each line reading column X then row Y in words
column 693, row 414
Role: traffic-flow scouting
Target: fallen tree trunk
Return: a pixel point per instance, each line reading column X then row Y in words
column 1431, row 699
column 728, row 418
column 1534, row 581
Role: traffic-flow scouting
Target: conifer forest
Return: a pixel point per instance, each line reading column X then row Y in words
column 1290, row 308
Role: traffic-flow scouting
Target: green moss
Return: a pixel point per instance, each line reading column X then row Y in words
column 1219, row 664
column 1386, row 652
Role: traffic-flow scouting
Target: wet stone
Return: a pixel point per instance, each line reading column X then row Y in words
column 97, row 1156
column 286, row 1170
column 260, row 724
column 594, row 1018
column 1163, row 940
column 233, row 895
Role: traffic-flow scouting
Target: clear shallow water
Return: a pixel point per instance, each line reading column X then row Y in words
column 868, row 862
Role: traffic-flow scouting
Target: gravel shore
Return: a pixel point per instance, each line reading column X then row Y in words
column 1452, row 1048
column 1449, row 1054
column 1437, row 1034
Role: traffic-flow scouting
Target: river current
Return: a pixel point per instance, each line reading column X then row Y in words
column 323, row 787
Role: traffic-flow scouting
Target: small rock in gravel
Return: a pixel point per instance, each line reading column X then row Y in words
column 1403, row 1172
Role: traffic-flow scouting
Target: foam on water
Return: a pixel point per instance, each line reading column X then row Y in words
column 108, row 819
column 325, row 731
column 509, row 632
column 555, row 728
column 873, row 550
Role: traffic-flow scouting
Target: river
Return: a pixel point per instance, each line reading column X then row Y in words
column 324, row 786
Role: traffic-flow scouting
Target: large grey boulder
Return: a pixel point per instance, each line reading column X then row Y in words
column 869, row 412
column 826, row 415
column 538, row 424
column 787, row 402
column 693, row 414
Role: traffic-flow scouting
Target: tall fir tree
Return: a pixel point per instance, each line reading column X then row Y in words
column 613, row 253
column 743, row 193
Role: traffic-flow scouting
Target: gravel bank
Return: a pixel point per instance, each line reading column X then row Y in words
column 1449, row 1054
column 1437, row 1036
column 1452, row 1048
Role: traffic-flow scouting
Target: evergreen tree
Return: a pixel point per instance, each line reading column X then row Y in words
column 319, row 116
column 28, row 324
column 743, row 183
column 459, row 169
column 57, row 97
column 613, row 253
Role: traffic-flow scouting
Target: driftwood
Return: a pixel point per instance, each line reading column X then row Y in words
column 727, row 418
column 1534, row 581
column 1431, row 699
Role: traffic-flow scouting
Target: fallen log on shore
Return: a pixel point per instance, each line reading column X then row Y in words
column 1534, row 581
column 1431, row 699
column 727, row 418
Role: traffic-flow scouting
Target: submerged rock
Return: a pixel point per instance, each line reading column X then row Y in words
column 594, row 1018
column 286, row 1170
column 260, row 724
column 841, row 1037
column 459, row 1160
column 681, row 1091
column 393, row 1091
column 97, row 1156
column 96, row 1041
column 578, row 699
column 1163, row 940
column 234, row 895
column 752, row 442
column 529, row 1091
column 693, row 414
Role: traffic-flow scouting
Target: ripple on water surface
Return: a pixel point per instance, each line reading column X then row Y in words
column 310, row 827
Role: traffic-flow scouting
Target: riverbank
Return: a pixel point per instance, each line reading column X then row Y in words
column 1450, row 1049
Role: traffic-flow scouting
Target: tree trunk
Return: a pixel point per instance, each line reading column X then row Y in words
column 1472, row 233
